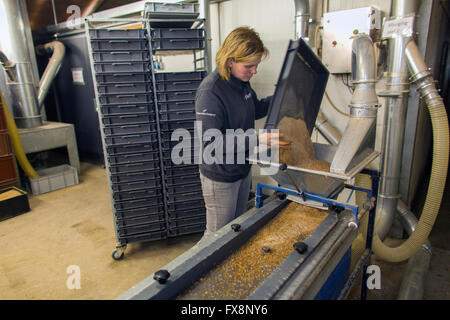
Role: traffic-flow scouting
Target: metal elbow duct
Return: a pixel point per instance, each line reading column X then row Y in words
column 58, row 49
column 359, row 132
column 302, row 16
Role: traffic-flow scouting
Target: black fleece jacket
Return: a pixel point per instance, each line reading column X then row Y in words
column 223, row 105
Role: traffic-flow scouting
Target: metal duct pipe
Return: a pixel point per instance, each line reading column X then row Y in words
column 363, row 106
column 413, row 281
column 326, row 129
column 52, row 68
column 397, row 90
column 302, row 16
column 15, row 47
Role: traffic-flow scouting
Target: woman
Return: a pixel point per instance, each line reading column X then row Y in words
column 224, row 101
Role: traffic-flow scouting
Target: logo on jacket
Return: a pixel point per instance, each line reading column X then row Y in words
column 248, row 96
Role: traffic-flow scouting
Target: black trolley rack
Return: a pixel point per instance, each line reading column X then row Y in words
column 152, row 198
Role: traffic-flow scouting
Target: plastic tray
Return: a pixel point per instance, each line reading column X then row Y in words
column 119, row 45
column 131, row 139
column 182, row 188
column 125, row 77
column 186, row 196
column 182, row 180
column 181, row 170
column 187, row 230
column 128, row 119
column 122, row 56
column 129, row 98
column 173, row 125
column 181, row 214
column 14, row 205
column 140, row 203
column 143, row 108
column 135, row 148
column 178, row 33
column 130, row 129
column 151, row 236
column 154, row 212
column 54, row 178
column 185, row 222
column 183, row 205
column 134, row 167
column 175, row 96
column 177, row 85
column 114, row 67
column 176, row 106
column 102, row 34
column 131, row 186
column 136, row 194
column 126, row 88
column 139, row 221
column 178, row 44
column 180, row 76
column 131, row 158
column 177, row 115
column 136, row 176
column 144, row 228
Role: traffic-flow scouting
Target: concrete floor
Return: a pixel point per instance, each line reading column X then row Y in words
column 74, row 226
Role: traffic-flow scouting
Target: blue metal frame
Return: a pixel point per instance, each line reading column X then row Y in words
column 371, row 195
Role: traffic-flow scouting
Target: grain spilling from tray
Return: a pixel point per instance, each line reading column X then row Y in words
column 301, row 152
column 239, row 275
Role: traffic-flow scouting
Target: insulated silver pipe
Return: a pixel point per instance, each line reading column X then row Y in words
column 302, row 16
column 58, row 49
column 14, row 45
column 397, row 90
column 327, row 130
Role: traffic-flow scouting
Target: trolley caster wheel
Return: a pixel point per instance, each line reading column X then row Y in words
column 118, row 253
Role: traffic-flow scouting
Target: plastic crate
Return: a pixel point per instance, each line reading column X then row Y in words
column 134, row 167
column 122, row 67
column 13, row 202
column 130, row 129
column 177, row 85
column 185, row 222
column 126, row 98
column 118, row 33
column 126, row 77
column 131, row 139
column 177, row 115
column 136, row 176
column 151, row 236
column 136, row 194
column 119, row 45
column 127, row 149
column 181, row 170
column 173, row 125
column 176, row 106
column 54, row 178
column 5, row 147
column 131, row 158
column 181, row 214
column 167, row 136
column 128, row 119
column 184, row 205
column 195, row 187
column 169, row 145
column 180, row 76
column 140, row 203
column 182, row 180
column 7, row 167
column 144, row 228
column 186, row 196
column 177, row 33
column 175, row 96
column 132, row 186
column 122, row 56
column 182, row 158
column 153, row 213
column 119, row 88
column 187, row 230
column 143, row 108
column 178, row 44
column 140, row 221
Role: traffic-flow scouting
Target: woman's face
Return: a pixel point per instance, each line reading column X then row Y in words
column 244, row 71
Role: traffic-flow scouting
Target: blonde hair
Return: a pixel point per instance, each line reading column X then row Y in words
column 243, row 44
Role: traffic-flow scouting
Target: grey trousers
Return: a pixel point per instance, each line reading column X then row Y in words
column 224, row 201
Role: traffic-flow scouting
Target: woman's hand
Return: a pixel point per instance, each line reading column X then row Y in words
column 269, row 137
